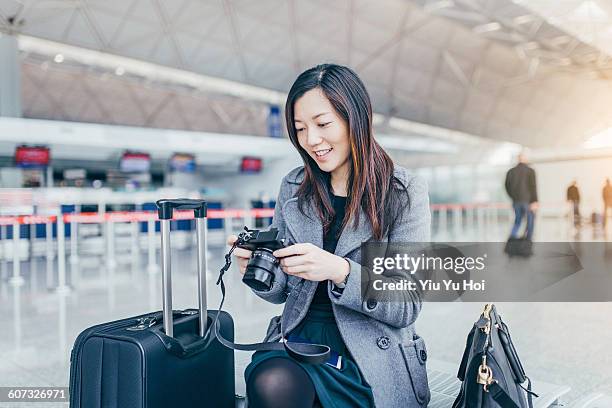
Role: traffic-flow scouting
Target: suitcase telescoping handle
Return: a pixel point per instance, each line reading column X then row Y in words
column 165, row 208
column 305, row 352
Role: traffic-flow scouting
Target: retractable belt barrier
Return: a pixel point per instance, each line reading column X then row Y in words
column 130, row 216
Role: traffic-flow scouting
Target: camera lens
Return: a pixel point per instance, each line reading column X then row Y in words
column 259, row 273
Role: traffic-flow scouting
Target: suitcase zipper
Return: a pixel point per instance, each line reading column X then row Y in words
column 108, row 327
column 90, row 332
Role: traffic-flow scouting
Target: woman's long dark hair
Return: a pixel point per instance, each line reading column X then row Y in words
column 371, row 183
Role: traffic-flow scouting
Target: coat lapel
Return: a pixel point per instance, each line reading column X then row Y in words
column 305, row 227
column 351, row 238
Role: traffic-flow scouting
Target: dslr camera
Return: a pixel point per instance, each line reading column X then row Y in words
column 259, row 274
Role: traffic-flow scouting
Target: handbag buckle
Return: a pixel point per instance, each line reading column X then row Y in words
column 487, row 310
column 486, row 313
column 486, row 386
column 485, row 374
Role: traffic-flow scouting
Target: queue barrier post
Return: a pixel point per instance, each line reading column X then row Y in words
column 16, row 279
column 480, row 218
column 74, row 240
column 227, row 226
column 490, row 221
column 152, row 266
column 442, row 219
column 3, row 262
column 135, row 248
column 496, row 215
column 49, row 252
column 111, row 262
column 248, row 219
column 458, row 218
column 32, row 241
column 62, row 287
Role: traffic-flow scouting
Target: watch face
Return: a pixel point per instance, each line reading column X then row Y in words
column 340, row 285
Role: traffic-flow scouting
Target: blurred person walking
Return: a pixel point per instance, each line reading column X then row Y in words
column 607, row 198
column 573, row 196
column 521, row 187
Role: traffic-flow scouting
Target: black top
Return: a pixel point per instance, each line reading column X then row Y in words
column 573, row 194
column 330, row 240
column 521, row 184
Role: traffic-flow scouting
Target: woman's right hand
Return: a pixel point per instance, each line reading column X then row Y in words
column 241, row 255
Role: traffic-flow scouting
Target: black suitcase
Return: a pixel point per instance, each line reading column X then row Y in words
column 159, row 359
column 519, row 247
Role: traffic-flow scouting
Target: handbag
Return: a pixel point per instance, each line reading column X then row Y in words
column 491, row 372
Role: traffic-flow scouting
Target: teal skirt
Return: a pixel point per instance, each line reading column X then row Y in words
column 344, row 387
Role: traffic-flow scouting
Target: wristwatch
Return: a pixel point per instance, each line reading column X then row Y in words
column 338, row 288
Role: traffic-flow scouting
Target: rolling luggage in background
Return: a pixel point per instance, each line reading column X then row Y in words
column 519, row 247
column 159, row 359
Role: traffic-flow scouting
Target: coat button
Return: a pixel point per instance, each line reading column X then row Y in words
column 383, row 342
column 371, row 304
column 423, row 354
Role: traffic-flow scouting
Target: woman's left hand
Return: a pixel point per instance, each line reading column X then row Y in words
column 310, row 262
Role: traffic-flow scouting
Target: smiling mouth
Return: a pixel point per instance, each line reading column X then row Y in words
column 321, row 153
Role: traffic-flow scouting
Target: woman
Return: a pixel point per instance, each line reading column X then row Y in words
column 347, row 192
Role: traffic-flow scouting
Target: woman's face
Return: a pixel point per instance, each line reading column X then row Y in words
column 320, row 131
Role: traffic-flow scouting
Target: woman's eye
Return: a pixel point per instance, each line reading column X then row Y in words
column 324, row 124
column 299, row 130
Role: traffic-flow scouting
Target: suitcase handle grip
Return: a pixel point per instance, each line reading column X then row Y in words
column 165, row 207
column 186, row 346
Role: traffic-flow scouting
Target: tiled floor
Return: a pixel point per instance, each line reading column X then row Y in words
column 559, row 343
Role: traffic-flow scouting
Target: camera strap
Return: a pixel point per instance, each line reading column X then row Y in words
column 303, row 352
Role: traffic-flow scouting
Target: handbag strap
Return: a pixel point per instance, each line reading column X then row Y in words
column 466, row 355
column 530, row 394
column 500, row 396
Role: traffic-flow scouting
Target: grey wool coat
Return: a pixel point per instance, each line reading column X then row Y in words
column 379, row 335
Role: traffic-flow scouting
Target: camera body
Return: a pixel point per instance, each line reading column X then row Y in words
column 259, row 274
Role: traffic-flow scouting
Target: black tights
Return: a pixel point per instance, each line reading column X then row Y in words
column 279, row 383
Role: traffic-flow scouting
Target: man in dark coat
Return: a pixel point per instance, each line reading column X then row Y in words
column 573, row 196
column 521, row 187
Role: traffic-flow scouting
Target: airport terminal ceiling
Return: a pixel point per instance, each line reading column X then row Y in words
column 505, row 70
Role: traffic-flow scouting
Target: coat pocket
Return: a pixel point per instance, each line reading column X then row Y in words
column 415, row 357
